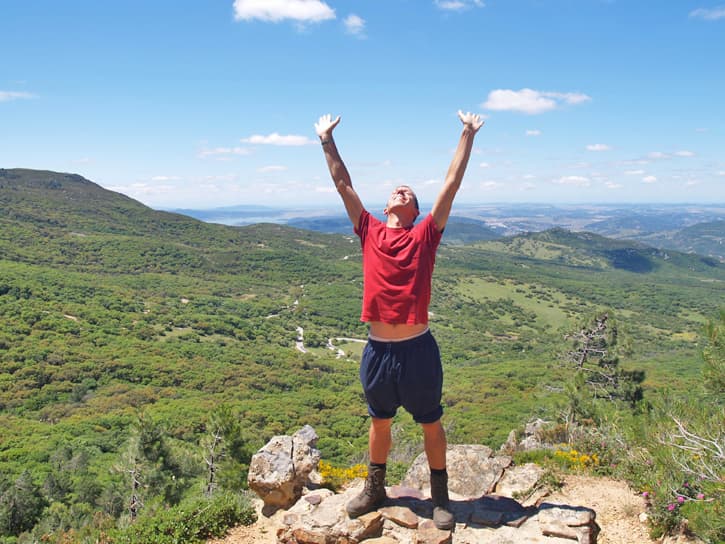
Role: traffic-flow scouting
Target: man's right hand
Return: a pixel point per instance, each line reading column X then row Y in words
column 325, row 124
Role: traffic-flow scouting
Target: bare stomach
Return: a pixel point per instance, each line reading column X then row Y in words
column 395, row 331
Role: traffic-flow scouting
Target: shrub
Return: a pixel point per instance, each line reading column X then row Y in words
column 335, row 478
column 194, row 520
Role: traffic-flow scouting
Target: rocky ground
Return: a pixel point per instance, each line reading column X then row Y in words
column 618, row 509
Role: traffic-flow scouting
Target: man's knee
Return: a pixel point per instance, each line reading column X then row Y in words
column 381, row 424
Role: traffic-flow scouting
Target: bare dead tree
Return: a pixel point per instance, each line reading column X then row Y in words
column 593, row 354
column 214, row 454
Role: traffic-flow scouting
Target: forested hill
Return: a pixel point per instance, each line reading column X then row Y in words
column 64, row 219
column 132, row 335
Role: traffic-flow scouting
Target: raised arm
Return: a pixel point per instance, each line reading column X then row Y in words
column 338, row 170
column 442, row 207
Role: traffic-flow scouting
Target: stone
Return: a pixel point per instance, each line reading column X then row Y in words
column 399, row 492
column 279, row 471
column 573, row 522
column 314, row 500
column 428, row 533
column 532, row 439
column 401, row 515
column 368, row 525
column 519, row 479
column 472, row 471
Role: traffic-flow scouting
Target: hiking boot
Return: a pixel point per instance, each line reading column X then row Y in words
column 372, row 496
column 442, row 516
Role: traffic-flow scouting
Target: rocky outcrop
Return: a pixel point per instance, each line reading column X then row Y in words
column 281, row 469
column 482, row 486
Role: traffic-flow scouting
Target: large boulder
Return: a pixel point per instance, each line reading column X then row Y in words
column 280, row 470
column 472, row 471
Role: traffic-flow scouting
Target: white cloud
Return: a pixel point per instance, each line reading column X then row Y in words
column 634, row 172
column 528, row 186
column 598, row 147
column 355, row 25
column 278, row 139
column 708, row 14
column 721, row 173
column 684, row 153
column 278, row 10
column 490, row 185
column 612, row 185
column 691, row 182
column 271, row 168
column 7, row 96
column 485, row 165
column 223, row 153
column 458, row 5
column 657, row 155
column 533, row 132
column 530, row 101
column 649, row 179
column 529, row 176
column 324, row 189
column 165, row 178
column 578, row 181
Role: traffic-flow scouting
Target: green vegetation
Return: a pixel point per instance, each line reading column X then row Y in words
column 135, row 345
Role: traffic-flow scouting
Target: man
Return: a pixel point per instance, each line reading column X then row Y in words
column 401, row 364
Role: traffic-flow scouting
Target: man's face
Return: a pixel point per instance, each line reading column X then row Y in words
column 402, row 196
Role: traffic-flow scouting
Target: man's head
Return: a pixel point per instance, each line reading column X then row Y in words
column 403, row 203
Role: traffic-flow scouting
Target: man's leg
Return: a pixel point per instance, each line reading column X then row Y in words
column 373, row 494
column 434, row 441
column 379, row 440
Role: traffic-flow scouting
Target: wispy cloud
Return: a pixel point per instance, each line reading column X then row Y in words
column 165, row 178
column 712, row 14
column 530, row 101
column 271, row 168
column 634, row 172
column 278, row 10
column 578, row 181
column 8, row 96
column 355, row 25
column 657, row 155
column 533, row 132
column 598, row 147
column 612, row 185
column 684, row 153
column 458, row 5
column 485, row 165
column 649, row 179
column 278, row 139
column 223, row 153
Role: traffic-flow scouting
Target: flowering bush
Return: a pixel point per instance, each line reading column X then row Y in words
column 335, row 478
column 571, row 458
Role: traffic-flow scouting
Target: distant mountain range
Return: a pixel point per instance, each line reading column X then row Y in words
column 690, row 228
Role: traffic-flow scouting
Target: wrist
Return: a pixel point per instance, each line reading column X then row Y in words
column 326, row 139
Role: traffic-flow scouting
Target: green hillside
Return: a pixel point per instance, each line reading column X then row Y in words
column 704, row 239
column 116, row 319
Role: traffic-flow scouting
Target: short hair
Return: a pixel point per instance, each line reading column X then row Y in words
column 415, row 198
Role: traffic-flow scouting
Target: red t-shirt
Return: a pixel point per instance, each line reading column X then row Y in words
column 397, row 269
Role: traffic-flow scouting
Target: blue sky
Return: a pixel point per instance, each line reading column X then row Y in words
column 200, row 104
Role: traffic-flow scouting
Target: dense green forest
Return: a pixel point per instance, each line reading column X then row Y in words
column 129, row 337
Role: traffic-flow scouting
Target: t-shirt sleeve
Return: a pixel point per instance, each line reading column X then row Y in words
column 361, row 229
column 431, row 234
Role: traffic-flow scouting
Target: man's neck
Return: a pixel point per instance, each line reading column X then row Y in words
column 401, row 221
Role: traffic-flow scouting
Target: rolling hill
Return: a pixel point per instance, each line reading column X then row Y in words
column 115, row 317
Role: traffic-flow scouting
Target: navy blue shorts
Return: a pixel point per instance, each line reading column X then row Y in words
column 407, row 374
